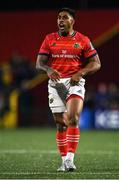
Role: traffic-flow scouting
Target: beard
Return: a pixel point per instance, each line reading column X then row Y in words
column 64, row 33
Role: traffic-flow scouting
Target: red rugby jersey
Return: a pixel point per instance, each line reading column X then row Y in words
column 66, row 54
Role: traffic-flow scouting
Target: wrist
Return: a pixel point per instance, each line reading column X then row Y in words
column 82, row 74
column 49, row 71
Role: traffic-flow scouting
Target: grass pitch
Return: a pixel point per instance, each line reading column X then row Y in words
column 32, row 154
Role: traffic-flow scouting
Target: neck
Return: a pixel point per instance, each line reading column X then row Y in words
column 69, row 33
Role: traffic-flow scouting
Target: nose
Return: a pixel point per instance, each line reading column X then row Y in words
column 61, row 21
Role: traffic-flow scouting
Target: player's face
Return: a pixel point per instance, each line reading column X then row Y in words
column 65, row 22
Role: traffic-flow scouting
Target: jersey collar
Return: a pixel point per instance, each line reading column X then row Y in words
column 73, row 34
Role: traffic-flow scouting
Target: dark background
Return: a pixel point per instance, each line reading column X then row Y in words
column 55, row 4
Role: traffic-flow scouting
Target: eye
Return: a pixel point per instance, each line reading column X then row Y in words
column 59, row 17
column 65, row 17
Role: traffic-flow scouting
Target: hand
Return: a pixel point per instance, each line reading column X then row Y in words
column 75, row 79
column 53, row 74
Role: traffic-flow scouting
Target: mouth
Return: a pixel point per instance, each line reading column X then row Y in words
column 61, row 26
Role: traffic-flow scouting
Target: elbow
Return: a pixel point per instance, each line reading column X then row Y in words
column 37, row 65
column 98, row 66
column 97, row 63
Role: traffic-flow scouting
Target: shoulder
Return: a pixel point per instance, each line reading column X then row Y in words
column 82, row 37
column 52, row 35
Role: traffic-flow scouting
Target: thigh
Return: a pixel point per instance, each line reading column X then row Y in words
column 74, row 106
column 75, row 99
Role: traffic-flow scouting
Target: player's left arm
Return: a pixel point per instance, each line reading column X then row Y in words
column 92, row 66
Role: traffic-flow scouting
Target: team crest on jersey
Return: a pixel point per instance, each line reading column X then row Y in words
column 79, row 91
column 76, row 45
column 51, row 100
column 54, row 44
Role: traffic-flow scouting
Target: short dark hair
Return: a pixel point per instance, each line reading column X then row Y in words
column 72, row 12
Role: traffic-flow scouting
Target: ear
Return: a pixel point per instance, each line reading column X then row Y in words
column 72, row 21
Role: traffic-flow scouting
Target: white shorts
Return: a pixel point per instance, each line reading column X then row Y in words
column 60, row 91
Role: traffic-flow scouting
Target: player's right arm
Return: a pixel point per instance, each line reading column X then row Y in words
column 43, row 58
column 41, row 63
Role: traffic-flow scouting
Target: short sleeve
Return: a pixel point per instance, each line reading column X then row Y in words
column 44, row 49
column 89, row 50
